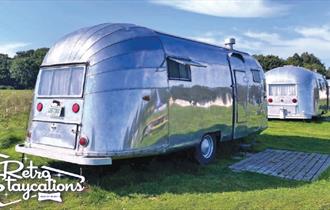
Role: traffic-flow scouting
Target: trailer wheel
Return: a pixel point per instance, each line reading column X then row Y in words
column 205, row 150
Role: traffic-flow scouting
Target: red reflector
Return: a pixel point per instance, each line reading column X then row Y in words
column 39, row 107
column 294, row 100
column 75, row 108
column 83, row 141
column 270, row 100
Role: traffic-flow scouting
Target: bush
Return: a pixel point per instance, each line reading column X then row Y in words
column 6, row 87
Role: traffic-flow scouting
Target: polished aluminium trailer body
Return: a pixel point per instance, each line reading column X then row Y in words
column 115, row 91
column 296, row 93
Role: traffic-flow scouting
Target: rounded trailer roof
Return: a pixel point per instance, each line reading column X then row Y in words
column 104, row 41
column 100, row 42
column 290, row 74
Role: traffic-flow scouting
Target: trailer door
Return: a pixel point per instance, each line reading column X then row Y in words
column 241, row 85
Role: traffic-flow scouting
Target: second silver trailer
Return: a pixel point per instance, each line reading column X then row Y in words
column 115, row 91
column 296, row 93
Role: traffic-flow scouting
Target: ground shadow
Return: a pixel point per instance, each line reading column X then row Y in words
column 317, row 119
column 298, row 143
column 177, row 173
column 8, row 140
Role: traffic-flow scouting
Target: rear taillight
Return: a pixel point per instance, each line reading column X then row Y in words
column 40, row 107
column 294, row 100
column 75, row 107
column 83, row 141
column 270, row 100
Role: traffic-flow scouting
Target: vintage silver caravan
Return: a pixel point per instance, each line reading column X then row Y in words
column 296, row 93
column 116, row 91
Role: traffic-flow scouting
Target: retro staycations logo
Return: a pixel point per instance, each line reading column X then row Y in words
column 32, row 181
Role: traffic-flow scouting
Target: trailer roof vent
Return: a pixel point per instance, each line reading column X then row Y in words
column 229, row 43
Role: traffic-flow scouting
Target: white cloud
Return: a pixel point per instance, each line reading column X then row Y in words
column 314, row 40
column 206, row 39
column 322, row 32
column 228, row 8
column 11, row 48
column 266, row 37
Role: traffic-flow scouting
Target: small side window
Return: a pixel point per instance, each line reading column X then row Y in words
column 321, row 85
column 256, row 75
column 178, row 71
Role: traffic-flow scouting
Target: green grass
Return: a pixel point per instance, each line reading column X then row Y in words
column 176, row 182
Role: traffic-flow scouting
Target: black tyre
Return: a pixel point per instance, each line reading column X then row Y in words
column 205, row 151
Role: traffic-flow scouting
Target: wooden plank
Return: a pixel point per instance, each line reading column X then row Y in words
column 258, row 163
column 291, row 158
column 285, row 164
column 317, row 169
column 317, row 158
column 239, row 165
column 256, row 159
column 262, row 162
column 305, row 165
column 284, row 159
column 285, row 167
column 242, row 164
column 274, row 162
column 298, row 159
column 324, row 167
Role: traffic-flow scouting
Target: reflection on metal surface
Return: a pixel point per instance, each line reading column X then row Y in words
column 296, row 93
column 130, row 107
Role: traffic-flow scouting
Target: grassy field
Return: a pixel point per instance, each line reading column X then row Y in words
column 176, row 182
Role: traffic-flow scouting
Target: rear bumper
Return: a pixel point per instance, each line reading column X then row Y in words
column 300, row 116
column 71, row 158
column 287, row 112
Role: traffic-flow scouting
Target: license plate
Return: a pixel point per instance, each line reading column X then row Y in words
column 54, row 111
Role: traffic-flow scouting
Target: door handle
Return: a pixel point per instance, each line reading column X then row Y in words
column 146, row 98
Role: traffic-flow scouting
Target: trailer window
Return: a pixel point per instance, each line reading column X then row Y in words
column 256, row 75
column 178, row 71
column 61, row 82
column 322, row 85
column 282, row 90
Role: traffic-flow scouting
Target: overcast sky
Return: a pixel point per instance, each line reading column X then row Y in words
column 259, row 26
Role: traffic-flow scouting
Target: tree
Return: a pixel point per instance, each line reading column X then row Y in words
column 294, row 60
column 310, row 58
column 5, row 62
column 308, row 61
column 269, row 61
column 24, row 71
column 327, row 74
column 39, row 55
column 25, row 67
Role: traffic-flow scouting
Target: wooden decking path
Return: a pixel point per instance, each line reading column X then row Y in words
column 285, row 164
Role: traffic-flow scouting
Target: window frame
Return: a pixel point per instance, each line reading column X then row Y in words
column 259, row 76
column 283, row 84
column 322, row 85
column 53, row 68
column 187, row 68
